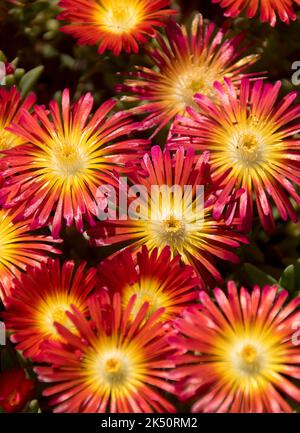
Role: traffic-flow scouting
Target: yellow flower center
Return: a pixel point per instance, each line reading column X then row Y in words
column 8, row 139
column 110, row 367
column 68, row 160
column 147, row 295
column 248, row 354
column 121, row 16
column 249, row 359
column 248, row 144
column 54, row 310
column 115, row 370
column 178, row 221
column 197, row 79
column 247, row 148
column 58, row 314
column 147, row 291
column 172, row 231
column 113, row 365
column 172, row 225
column 197, row 85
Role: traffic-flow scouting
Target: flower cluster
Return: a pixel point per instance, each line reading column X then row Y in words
column 112, row 245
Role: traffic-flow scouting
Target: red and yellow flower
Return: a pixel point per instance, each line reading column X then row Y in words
column 113, row 364
column 250, row 138
column 153, row 277
column 174, row 217
column 189, row 61
column 238, row 353
column 19, row 249
column 11, row 109
column 40, row 297
column 15, row 390
column 268, row 9
column 68, row 155
column 115, row 25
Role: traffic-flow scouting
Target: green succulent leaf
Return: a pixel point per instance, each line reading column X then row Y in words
column 290, row 279
column 29, row 80
column 255, row 275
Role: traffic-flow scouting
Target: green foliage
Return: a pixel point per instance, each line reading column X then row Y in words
column 29, row 80
column 256, row 276
column 46, row 61
column 290, row 279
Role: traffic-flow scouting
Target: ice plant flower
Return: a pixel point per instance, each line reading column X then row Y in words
column 113, row 365
column 250, row 139
column 238, row 352
column 15, row 390
column 153, row 277
column 11, row 108
column 170, row 213
column 19, row 249
column 40, row 297
column 189, row 61
column 268, row 9
column 115, row 25
column 68, row 155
